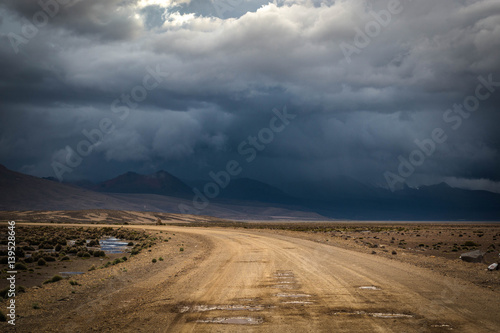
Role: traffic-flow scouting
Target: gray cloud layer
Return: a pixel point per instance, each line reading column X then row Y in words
column 228, row 69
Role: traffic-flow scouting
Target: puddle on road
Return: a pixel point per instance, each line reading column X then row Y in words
column 235, row 307
column 288, row 274
column 369, row 288
column 390, row 315
column 445, row 326
column 282, row 286
column 373, row 314
column 233, row 320
column 293, row 295
column 297, row 302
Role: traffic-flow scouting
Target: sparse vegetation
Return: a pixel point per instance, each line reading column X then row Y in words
column 20, row 266
column 55, row 278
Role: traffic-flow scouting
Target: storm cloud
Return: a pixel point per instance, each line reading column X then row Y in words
column 365, row 79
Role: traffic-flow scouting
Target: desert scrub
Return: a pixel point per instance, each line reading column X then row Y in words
column 92, row 268
column 55, row 278
column 20, row 266
column 181, row 249
column 160, row 259
column 35, row 306
column 41, row 262
column 74, row 283
column 154, row 260
column 2, row 317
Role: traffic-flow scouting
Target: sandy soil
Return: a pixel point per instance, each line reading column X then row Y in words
column 229, row 280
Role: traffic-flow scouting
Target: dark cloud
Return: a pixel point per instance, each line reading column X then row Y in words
column 224, row 72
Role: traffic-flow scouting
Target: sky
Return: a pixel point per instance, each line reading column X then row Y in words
column 385, row 92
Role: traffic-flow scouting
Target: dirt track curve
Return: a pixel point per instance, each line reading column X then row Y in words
column 230, row 280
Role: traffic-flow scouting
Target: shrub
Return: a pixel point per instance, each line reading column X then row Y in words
column 160, row 259
column 35, row 306
column 28, row 260
column 41, row 262
column 65, row 258
column 86, row 255
column 58, row 247
column 154, row 260
column 470, row 243
column 130, row 244
column 49, row 258
column 21, row 266
column 73, row 283
column 55, row 278
column 92, row 268
column 181, row 249
column 2, row 317
column 124, row 258
column 4, row 292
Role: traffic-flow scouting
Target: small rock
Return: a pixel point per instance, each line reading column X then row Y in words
column 493, row 267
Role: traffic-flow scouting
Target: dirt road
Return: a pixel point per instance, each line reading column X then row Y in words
column 230, row 280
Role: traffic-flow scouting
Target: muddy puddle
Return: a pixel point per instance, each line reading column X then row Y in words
column 388, row 315
column 443, row 326
column 297, row 302
column 369, row 288
column 282, row 286
column 293, row 295
column 231, row 307
column 233, row 320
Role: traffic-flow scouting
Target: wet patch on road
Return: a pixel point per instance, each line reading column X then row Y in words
column 233, row 320
column 293, row 295
column 383, row 315
column 369, row 288
column 444, row 327
column 297, row 302
column 224, row 307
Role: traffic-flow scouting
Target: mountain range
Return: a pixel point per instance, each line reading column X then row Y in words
column 248, row 199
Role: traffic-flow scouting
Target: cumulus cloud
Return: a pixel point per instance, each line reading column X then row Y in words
column 227, row 69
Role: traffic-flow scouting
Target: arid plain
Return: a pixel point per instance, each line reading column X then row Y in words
column 223, row 276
